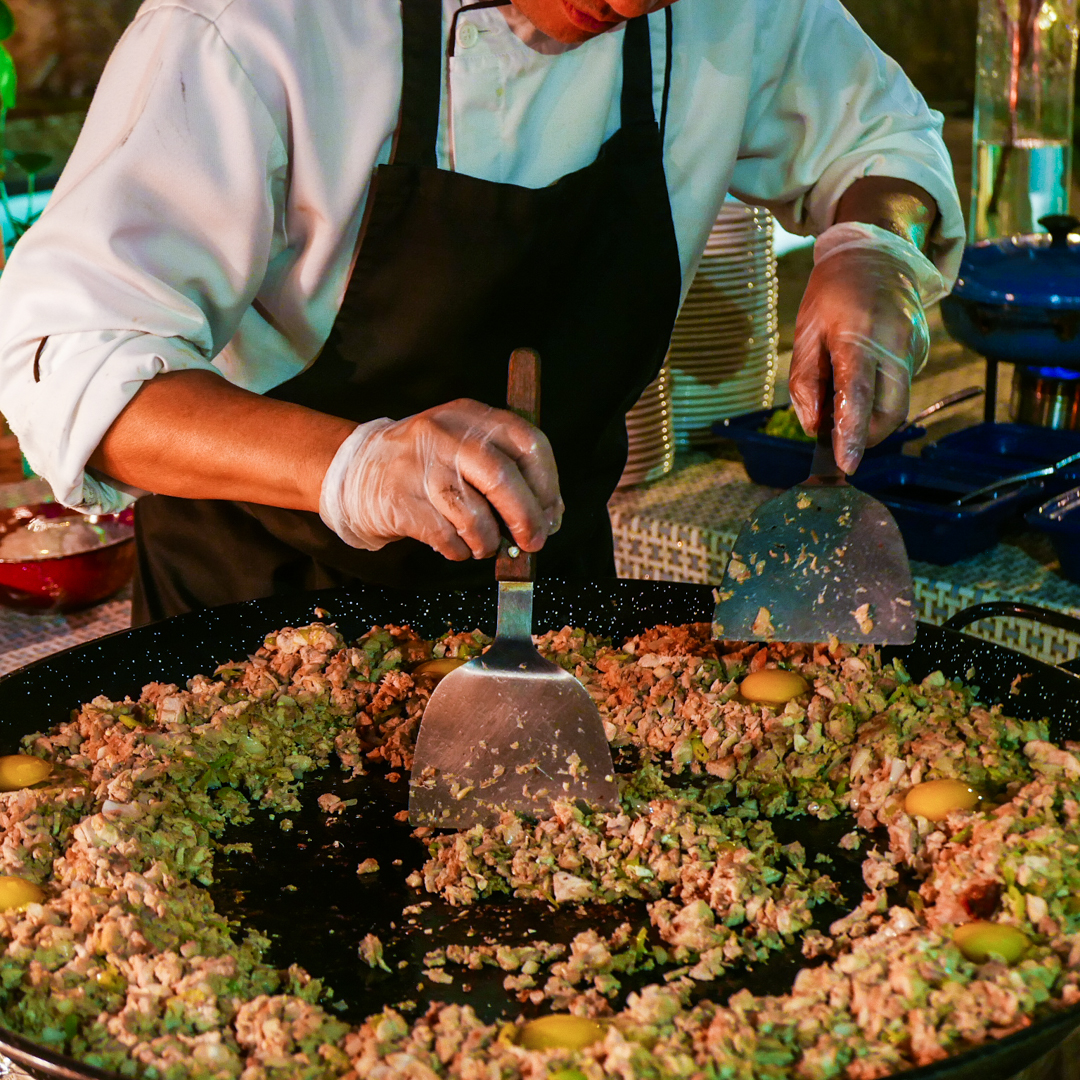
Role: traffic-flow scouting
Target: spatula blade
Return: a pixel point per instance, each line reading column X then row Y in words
column 816, row 561
column 508, row 732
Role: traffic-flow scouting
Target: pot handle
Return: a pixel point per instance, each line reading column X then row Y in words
column 1059, row 226
column 1017, row 609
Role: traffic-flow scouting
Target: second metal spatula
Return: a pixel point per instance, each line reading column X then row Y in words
column 821, row 559
column 509, row 730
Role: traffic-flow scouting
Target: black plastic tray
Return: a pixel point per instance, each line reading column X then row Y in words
column 1010, row 448
column 916, row 491
column 782, row 463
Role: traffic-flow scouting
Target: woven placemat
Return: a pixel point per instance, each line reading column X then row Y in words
column 26, row 638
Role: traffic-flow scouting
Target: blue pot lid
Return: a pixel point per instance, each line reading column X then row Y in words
column 1037, row 271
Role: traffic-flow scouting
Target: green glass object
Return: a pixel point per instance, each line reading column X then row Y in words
column 8, row 78
column 32, row 162
column 7, row 21
column 1026, row 71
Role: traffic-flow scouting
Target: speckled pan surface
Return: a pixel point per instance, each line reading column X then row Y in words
column 301, row 887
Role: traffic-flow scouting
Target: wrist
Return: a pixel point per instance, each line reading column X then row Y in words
column 893, row 205
column 336, row 492
column 853, row 236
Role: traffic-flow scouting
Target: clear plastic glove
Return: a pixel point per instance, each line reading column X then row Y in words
column 441, row 477
column 863, row 315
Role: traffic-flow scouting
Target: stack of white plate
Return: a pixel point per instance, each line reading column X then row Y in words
column 723, row 354
column 648, row 423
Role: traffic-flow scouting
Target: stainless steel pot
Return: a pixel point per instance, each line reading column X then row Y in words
column 1047, row 397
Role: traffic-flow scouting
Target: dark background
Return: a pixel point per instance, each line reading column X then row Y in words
column 62, row 45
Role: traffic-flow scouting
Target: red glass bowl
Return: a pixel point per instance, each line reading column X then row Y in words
column 67, row 582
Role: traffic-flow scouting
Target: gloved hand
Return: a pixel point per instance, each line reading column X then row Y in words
column 863, row 314
column 440, row 477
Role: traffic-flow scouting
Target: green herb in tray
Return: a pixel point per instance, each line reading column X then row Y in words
column 785, row 425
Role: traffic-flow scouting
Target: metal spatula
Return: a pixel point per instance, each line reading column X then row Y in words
column 509, row 730
column 822, row 558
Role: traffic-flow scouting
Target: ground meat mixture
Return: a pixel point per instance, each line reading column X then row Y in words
column 126, row 965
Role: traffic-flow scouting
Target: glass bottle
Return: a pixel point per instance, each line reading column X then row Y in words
column 1026, row 70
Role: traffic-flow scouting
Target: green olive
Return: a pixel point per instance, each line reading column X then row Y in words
column 980, row 940
column 560, row 1031
column 16, row 893
column 22, row 770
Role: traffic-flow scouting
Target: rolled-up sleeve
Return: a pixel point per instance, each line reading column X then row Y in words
column 150, row 252
column 828, row 107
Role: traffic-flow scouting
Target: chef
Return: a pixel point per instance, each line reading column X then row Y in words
column 275, row 290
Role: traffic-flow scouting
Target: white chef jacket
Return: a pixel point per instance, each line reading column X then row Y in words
column 209, row 215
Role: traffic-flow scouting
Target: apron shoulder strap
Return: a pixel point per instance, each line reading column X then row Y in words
column 637, row 88
column 421, row 83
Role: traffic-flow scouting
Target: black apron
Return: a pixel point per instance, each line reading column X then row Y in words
column 452, row 274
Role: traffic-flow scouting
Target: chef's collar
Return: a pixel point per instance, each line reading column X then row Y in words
column 537, row 40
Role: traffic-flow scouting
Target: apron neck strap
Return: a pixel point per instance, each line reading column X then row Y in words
column 422, row 69
column 637, row 85
column 421, row 83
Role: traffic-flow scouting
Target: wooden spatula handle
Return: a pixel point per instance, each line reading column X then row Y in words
column 523, row 385
column 824, row 465
column 523, row 398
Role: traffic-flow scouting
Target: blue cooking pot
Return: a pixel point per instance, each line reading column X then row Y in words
column 1018, row 299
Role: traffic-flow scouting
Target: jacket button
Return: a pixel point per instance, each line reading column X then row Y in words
column 468, row 35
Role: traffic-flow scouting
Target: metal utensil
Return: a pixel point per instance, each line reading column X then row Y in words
column 821, row 559
column 509, row 730
column 991, row 491
column 946, row 402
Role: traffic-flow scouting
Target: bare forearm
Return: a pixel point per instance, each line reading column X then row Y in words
column 193, row 434
column 899, row 206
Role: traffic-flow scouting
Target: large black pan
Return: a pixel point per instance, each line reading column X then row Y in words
column 301, row 887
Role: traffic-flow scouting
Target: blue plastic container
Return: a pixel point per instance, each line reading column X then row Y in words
column 1010, row 448
column 917, row 492
column 783, row 463
column 1059, row 518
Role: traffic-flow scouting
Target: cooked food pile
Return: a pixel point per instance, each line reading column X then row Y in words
column 785, row 424
column 967, row 822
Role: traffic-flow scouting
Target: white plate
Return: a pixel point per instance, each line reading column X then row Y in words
column 736, row 289
column 721, row 358
column 692, row 413
column 732, row 329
